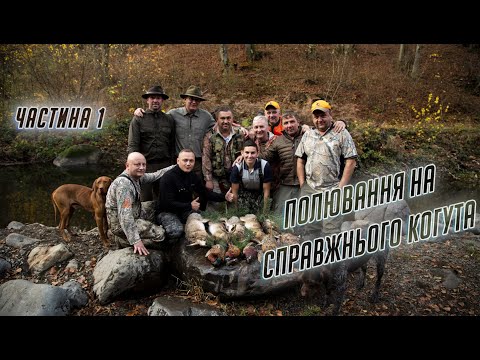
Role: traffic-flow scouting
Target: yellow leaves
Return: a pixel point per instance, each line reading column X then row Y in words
column 428, row 119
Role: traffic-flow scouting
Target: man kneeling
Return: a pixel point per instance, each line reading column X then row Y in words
column 182, row 191
column 124, row 208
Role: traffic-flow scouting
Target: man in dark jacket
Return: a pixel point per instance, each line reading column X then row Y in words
column 282, row 151
column 182, row 191
column 153, row 135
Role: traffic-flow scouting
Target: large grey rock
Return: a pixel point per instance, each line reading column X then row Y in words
column 19, row 241
column 76, row 155
column 122, row 271
column 23, row 298
column 169, row 306
column 237, row 280
column 15, row 225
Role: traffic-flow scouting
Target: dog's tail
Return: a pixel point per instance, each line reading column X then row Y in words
column 54, row 207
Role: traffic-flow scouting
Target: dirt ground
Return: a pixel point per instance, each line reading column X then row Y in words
column 427, row 278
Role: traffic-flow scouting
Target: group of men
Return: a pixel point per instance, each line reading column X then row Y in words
column 218, row 160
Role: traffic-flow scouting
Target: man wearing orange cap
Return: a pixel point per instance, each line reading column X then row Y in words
column 274, row 116
column 272, row 113
column 318, row 161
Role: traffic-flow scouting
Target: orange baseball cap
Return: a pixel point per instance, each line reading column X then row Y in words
column 272, row 103
column 321, row 105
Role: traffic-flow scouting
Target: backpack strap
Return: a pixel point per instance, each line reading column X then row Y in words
column 137, row 195
column 240, row 171
column 261, row 170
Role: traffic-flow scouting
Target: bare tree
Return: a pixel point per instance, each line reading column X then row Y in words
column 250, row 52
column 401, row 55
column 224, row 57
column 416, row 61
column 105, row 64
column 311, row 51
column 344, row 48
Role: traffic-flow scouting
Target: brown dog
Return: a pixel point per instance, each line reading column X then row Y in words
column 69, row 197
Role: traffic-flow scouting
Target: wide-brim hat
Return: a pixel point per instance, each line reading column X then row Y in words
column 195, row 92
column 155, row 90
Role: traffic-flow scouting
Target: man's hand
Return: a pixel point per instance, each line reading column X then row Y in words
column 139, row 112
column 195, row 204
column 244, row 132
column 140, row 248
column 305, row 128
column 238, row 160
column 229, row 195
column 339, row 126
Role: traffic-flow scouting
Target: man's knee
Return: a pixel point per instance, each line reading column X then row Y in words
column 171, row 223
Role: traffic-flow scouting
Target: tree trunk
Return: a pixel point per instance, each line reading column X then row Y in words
column 311, row 51
column 344, row 49
column 105, row 65
column 224, row 56
column 401, row 55
column 416, row 61
column 251, row 52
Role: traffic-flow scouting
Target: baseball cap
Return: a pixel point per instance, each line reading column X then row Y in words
column 321, row 105
column 272, row 103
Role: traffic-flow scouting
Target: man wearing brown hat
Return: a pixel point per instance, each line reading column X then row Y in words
column 191, row 125
column 153, row 135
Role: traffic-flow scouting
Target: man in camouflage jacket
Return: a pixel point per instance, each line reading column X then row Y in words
column 124, row 207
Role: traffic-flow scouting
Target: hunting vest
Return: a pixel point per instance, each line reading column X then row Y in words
column 253, row 182
column 234, row 148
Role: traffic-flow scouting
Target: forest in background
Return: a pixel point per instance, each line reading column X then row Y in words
column 405, row 104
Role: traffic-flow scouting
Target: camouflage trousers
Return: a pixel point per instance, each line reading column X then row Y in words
column 152, row 235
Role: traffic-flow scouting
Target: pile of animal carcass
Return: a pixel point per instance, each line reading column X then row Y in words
column 237, row 238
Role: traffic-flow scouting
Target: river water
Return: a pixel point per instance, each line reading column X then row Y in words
column 25, row 193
